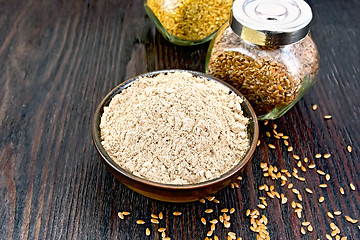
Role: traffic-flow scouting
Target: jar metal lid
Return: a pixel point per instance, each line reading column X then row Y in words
column 271, row 22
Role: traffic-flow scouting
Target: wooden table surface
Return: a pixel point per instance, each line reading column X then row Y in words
column 58, row 59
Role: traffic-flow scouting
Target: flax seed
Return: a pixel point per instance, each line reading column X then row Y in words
column 323, row 185
column 327, row 155
column 311, row 166
column 337, row 213
column 120, row 215
column 147, row 232
column 349, row 149
column 209, row 210
column 154, row 221
column 308, row 190
column 342, row 191
column 321, row 199
column 327, row 177
column 310, row 228
column 161, row 230
column 271, row 146
column 318, row 155
column 352, row 187
column 350, row 220
column 296, row 157
column 140, row 222
column 327, row 117
column 290, row 149
column 320, row 172
column 330, row 215
column 314, row 107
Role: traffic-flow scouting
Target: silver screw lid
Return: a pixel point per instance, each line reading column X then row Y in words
column 271, row 22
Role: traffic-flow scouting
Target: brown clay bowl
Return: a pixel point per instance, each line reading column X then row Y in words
column 169, row 192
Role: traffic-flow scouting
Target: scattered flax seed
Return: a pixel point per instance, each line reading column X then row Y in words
column 154, row 221
column 266, row 122
column 232, row 210
column 290, row 185
column 121, row 215
column 342, row 191
column 327, row 117
column 209, row 210
column 202, row 200
column 166, row 238
column 268, row 134
column 294, row 190
column 203, row 221
column 147, row 232
column 305, row 224
column 299, row 197
column 296, row 157
column 337, row 213
column 318, row 155
column 306, row 160
column 293, row 204
column 323, row 185
column 212, row 228
column 258, row 143
column 286, row 143
column 214, row 221
column 216, row 201
column 311, row 166
column 320, row 172
column 310, row 228
column 352, row 187
column 210, row 198
column 327, row 155
column 308, row 190
column 290, row 149
column 321, row 199
column 314, row 107
column 224, row 210
column 236, row 185
column 330, row 215
column 327, row 177
column 284, row 200
column 271, row 146
column 285, row 137
column 226, row 224
column 328, row 237
column 302, row 230
column 161, row 230
column 126, row 213
column 232, row 235
column 140, row 222
column 350, row 220
column 239, row 178
column 349, row 149
column 274, row 126
column 154, row 216
column 176, row 213
column 161, row 215
column 299, row 163
column 261, row 206
column 247, row 212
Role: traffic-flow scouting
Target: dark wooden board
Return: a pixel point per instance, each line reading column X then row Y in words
column 58, row 59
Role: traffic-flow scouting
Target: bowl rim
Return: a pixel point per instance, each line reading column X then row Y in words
column 95, row 132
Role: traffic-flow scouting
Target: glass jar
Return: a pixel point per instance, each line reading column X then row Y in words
column 265, row 52
column 188, row 22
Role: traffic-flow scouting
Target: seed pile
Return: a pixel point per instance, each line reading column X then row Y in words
column 267, row 76
column 191, row 19
column 187, row 128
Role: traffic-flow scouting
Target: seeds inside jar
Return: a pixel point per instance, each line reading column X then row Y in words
column 191, row 20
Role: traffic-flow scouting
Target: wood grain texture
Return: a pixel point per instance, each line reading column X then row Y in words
column 58, row 59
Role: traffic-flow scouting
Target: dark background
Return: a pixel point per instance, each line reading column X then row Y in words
column 58, row 59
